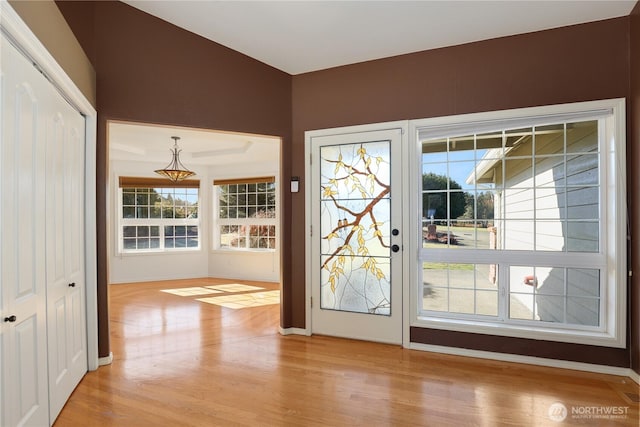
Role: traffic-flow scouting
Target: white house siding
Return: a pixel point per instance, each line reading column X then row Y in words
column 559, row 205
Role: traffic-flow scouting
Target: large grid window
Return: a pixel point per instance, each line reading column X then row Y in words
column 158, row 215
column 518, row 223
column 246, row 213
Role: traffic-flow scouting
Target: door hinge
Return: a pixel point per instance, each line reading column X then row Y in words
column 311, row 230
column 311, row 301
column 310, row 158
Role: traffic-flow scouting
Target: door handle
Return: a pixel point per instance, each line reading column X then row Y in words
column 72, row 284
column 395, row 231
column 10, row 319
column 395, row 248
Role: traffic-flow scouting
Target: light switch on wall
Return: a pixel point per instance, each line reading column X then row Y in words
column 295, row 184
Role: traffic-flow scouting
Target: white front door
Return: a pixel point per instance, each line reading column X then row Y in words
column 356, row 234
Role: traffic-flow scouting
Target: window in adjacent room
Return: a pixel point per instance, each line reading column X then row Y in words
column 158, row 215
column 245, row 214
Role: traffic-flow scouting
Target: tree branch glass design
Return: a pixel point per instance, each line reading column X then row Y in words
column 355, row 227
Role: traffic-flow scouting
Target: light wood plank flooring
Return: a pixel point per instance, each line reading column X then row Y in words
column 179, row 361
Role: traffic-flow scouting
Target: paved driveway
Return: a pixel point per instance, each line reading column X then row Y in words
column 454, row 290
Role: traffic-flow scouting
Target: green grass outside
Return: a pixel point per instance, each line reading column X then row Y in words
column 446, row 266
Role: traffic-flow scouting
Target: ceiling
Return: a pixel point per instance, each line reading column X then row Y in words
column 152, row 143
column 303, row 36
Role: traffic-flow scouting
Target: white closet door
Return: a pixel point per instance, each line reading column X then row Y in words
column 23, row 345
column 43, row 346
column 65, row 251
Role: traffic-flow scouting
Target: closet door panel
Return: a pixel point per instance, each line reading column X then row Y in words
column 58, row 350
column 76, row 311
column 74, row 193
column 77, row 339
column 56, row 280
column 28, row 353
column 75, row 247
column 22, row 246
column 65, row 272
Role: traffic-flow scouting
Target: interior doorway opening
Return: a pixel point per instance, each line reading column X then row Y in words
column 223, row 223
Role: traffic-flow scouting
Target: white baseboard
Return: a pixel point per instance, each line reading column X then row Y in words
column 530, row 360
column 505, row 357
column 293, row 331
column 105, row 360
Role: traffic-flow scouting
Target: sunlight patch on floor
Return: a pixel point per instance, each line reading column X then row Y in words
column 236, row 295
column 255, row 299
column 186, row 292
column 235, row 287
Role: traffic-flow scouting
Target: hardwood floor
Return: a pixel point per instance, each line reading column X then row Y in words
column 183, row 362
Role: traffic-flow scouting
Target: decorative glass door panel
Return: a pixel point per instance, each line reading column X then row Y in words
column 355, row 259
column 355, row 227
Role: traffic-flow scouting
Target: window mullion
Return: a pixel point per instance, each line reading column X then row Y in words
column 566, row 295
column 533, row 188
column 503, row 292
column 565, row 220
column 161, row 235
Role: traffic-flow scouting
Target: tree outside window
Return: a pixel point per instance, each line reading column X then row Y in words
column 246, row 214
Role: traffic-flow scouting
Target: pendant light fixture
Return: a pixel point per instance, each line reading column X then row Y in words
column 175, row 170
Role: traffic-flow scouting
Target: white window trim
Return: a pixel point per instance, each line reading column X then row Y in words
column 160, row 222
column 218, row 222
column 612, row 332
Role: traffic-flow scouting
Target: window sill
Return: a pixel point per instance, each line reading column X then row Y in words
column 159, row 252
column 243, row 251
column 528, row 331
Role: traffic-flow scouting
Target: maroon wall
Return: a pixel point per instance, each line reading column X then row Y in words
column 153, row 72
column 570, row 64
column 80, row 17
column 634, row 184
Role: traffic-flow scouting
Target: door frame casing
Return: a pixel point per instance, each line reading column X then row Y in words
column 22, row 35
column 406, row 201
